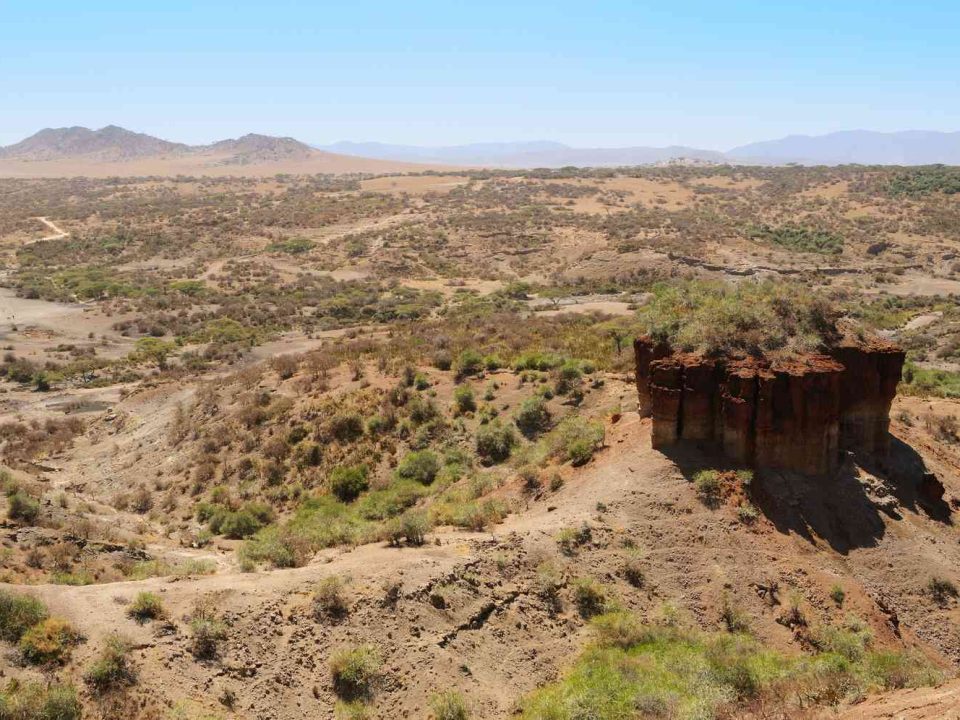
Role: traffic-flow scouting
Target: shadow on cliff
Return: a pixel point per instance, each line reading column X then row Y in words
column 836, row 510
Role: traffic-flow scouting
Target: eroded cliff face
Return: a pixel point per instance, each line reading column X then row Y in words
column 790, row 414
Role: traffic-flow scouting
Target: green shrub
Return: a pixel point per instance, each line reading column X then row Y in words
column 495, row 441
column 567, row 375
column 590, row 597
column 837, row 595
column 48, row 642
column 707, row 483
column 941, row 589
column 379, row 424
column 22, row 507
column 538, row 361
column 346, row 426
column 747, row 514
column 469, row 362
column 421, row 465
column 412, row 526
column 733, row 616
column 390, row 501
column 236, row 524
column 442, row 360
column 355, row 671
column 422, row 410
column 532, row 417
column 18, row 613
column 464, row 400
column 348, row 482
column 239, row 525
column 207, row 631
column 632, row 570
column 548, row 581
column 112, row 669
column 415, row 525
column 478, row 515
column 575, row 440
column 329, row 600
column 571, row 538
column 146, row 606
column 449, row 705
column 39, row 701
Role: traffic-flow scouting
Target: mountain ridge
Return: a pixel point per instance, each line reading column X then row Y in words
column 116, row 145
column 113, row 150
column 864, row 147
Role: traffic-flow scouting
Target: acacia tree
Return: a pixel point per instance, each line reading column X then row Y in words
column 150, row 349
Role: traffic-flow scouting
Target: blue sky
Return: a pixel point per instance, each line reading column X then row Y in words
column 707, row 74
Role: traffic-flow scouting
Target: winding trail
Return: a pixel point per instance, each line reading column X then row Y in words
column 58, row 232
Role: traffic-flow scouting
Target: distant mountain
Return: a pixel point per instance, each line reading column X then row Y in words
column 254, row 148
column 113, row 150
column 110, row 143
column 58, row 152
column 542, row 153
column 864, row 147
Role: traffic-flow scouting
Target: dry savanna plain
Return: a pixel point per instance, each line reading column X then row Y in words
column 367, row 446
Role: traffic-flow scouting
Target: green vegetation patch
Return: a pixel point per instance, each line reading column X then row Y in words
column 635, row 670
column 18, row 613
column 799, row 239
column 747, row 317
column 293, row 246
column 39, row 701
column 920, row 181
column 927, row 382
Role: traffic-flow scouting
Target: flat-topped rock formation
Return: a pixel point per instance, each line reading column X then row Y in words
column 793, row 414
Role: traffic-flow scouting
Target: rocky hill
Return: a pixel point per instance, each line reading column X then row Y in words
column 114, row 151
column 253, row 148
column 106, row 144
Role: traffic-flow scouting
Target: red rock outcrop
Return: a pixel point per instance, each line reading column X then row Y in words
column 645, row 352
column 870, row 384
column 790, row 414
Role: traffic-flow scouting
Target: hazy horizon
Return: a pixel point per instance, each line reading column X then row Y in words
column 478, row 142
column 623, row 74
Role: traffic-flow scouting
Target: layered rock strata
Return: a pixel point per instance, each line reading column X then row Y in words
column 792, row 414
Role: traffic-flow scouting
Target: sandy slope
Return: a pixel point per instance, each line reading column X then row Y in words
column 207, row 164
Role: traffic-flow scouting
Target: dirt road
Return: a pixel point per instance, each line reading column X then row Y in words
column 58, row 232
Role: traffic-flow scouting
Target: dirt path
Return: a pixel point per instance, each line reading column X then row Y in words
column 58, row 232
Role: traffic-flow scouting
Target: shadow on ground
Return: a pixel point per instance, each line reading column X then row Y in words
column 836, row 510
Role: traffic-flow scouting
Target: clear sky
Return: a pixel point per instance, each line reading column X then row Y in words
column 707, row 74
